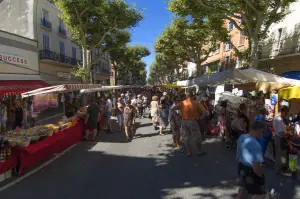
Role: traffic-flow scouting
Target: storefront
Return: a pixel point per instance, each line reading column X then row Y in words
column 19, row 69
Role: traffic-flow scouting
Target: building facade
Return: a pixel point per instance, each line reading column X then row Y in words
column 101, row 70
column 224, row 56
column 280, row 52
column 58, row 54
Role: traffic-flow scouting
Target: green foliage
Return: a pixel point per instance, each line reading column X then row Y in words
column 189, row 39
column 102, row 24
column 128, row 59
column 254, row 18
column 164, row 71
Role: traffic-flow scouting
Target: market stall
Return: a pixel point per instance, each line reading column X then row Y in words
column 27, row 147
column 291, row 95
column 44, row 149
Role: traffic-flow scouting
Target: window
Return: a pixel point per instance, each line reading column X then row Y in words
column 227, row 61
column 242, row 38
column 107, row 82
column 228, row 46
column 81, row 55
column 74, row 52
column 279, row 35
column 62, row 48
column 97, row 53
column 46, row 42
column 45, row 15
column 230, row 25
column 61, row 24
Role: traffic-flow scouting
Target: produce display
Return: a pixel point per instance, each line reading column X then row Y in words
column 24, row 137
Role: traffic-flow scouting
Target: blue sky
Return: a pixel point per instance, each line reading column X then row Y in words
column 156, row 17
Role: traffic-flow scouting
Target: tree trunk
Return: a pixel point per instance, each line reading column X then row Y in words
column 254, row 53
column 89, row 70
column 200, row 69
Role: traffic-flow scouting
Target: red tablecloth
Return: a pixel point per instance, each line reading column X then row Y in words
column 45, row 148
column 10, row 163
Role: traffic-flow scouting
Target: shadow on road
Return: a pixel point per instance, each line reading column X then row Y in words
column 94, row 172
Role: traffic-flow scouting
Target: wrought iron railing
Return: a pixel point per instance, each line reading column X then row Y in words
column 62, row 31
column 46, row 24
column 54, row 56
column 101, row 69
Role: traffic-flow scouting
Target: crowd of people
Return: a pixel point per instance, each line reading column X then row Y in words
column 188, row 119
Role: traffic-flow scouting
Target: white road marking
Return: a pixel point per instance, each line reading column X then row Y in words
column 19, row 179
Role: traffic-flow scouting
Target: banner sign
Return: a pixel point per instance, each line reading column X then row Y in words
column 45, row 101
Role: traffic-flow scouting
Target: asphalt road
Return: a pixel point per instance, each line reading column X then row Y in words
column 147, row 168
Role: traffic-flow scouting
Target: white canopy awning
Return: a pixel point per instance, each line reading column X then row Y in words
column 64, row 88
column 238, row 76
column 107, row 88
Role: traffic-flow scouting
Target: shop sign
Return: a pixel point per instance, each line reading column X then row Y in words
column 62, row 75
column 13, row 59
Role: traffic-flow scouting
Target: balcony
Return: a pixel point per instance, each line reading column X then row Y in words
column 46, row 24
column 62, row 32
column 54, row 56
column 102, row 69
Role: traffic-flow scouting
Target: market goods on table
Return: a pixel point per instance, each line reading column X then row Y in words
column 24, row 137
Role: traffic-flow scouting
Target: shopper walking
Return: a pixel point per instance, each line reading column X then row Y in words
column 190, row 111
column 129, row 120
column 281, row 148
column 175, row 123
column 265, row 139
column 120, row 113
column 19, row 115
column 108, row 113
column 250, row 157
column 139, row 103
column 163, row 114
column 92, row 118
column 153, row 111
column 239, row 125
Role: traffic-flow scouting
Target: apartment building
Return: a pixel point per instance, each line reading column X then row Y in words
column 224, row 56
column 58, row 54
column 102, row 68
column 280, row 52
column 19, row 60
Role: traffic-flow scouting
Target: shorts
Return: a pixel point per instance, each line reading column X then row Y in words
column 91, row 125
column 108, row 115
column 254, row 184
column 175, row 128
column 190, row 131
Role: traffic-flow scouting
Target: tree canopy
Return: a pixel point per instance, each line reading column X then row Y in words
column 253, row 18
column 102, row 24
column 128, row 59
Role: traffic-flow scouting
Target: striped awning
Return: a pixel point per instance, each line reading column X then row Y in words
column 64, row 88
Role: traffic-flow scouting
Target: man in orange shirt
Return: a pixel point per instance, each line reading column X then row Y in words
column 190, row 111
